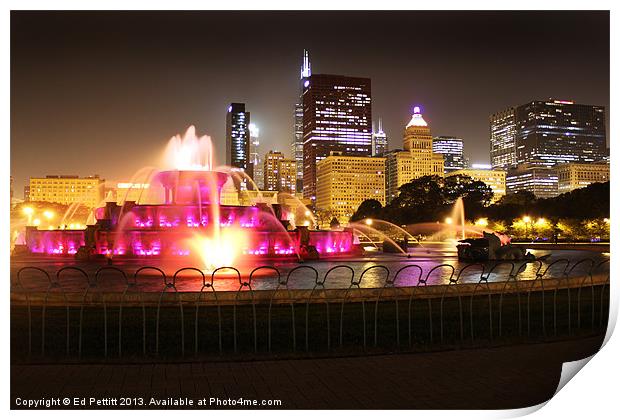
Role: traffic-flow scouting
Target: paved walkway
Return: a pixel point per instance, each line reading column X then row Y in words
column 502, row 377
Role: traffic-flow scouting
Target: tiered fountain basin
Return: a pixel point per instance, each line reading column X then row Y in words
column 190, row 222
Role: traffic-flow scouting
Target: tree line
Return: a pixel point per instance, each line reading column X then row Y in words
column 431, row 198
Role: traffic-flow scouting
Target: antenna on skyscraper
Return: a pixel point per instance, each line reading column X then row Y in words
column 305, row 67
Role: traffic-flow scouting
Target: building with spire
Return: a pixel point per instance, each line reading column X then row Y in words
column 256, row 161
column 337, row 117
column 417, row 158
column 379, row 140
column 297, row 145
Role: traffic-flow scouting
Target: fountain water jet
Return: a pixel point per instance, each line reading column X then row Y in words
column 190, row 221
column 362, row 227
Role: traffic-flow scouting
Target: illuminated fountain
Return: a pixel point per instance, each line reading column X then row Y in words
column 189, row 221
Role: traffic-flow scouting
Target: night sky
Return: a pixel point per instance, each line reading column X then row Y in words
column 102, row 92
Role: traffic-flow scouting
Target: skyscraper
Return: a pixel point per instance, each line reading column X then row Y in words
column 416, row 161
column 297, row 145
column 337, row 117
column 452, row 150
column 344, row 182
column 255, row 159
column 272, row 170
column 379, row 140
column 554, row 132
column 547, row 133
column 540, row 180
column 503, row 130
column 287, row 169
column 238, row 137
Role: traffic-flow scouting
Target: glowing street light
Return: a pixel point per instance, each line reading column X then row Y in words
column 526, row 220
column 48, row 214
column 482, row 222
column 369, row 222
column 448, row 221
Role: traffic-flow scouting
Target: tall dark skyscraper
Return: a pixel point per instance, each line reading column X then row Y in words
column 547, row 133
column 337, row 117
column 297, row 145
column 452, row 150
column 238, row 138
column 559, row 132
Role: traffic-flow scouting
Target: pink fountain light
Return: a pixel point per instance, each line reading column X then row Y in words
column 189, row 222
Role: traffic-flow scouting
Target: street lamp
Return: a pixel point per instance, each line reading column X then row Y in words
column 526, row 220
column 448, row 221
column 482, row 222
column 369, row 222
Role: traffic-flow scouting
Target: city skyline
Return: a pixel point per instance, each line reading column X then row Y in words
column 110, row 94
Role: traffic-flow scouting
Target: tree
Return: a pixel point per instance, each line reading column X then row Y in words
column 513, row 206
column 430, row 198
column 419, row 201
column 590, row 202
column 370, row 208
column 476, row 195
column 522, row 198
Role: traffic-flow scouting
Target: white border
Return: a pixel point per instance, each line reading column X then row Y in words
column 592, row 394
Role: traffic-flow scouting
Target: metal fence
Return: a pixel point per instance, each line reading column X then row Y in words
column 70, row 310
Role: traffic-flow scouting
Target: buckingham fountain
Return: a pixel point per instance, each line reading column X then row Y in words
column 189, row 221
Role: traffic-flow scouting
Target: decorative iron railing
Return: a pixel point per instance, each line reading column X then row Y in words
column 57, row 315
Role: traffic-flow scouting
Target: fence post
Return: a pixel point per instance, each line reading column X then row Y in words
column 243, row 284
column 105, row 312
column 135, row 276
column 20, row 285
column 288, row 276
column 414, row 289
column 88, row 285
column 454, row 283
column 174, row 280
